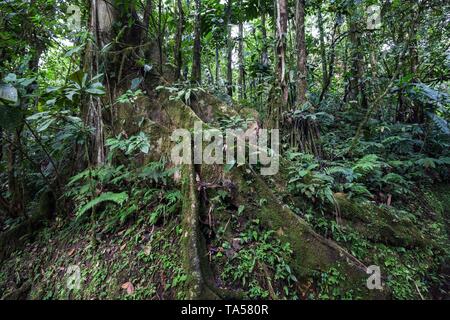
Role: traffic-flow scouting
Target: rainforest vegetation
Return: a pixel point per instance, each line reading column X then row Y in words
column 92, row 207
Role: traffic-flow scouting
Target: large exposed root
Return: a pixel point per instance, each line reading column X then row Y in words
column 197, row 285
column 200, row 283
column 312, row 252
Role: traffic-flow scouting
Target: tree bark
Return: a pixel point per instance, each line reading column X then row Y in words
column 217, row 65
column 322, row 47
column 160, row 36
column 230, row 46
column 179, row 40
column 196, row 61
column 264, row 54
column 356, row 86
column 282, row 17
column 331, row 58
column 146, row 20
column 241, row 58
column 101, row 20
column 302, row 70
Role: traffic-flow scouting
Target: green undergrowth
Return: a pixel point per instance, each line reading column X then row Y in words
column 401, row 228
column 244, row 254
column 137, row 261
column 124, row 238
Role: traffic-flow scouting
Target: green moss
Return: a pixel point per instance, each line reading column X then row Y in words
column 311, row 252
column 380, row 224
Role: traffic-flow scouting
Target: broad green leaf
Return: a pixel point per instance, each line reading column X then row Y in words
column 118, row 198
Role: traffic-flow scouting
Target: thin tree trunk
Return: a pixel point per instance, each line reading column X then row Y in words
column 302, row 71
column 356, row 86
column 146, row 20
column 217, row 65
column 160, row 37
column 322, row 47
column 102, row 17
column 282, row 17
column 230, row 46
column 331, row 59
column 241, row 58
column 417, row 108
column 264, row 54
column 196, row 61
column 179, row 40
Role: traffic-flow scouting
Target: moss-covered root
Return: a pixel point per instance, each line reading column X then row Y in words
column 200, row 284
column 380, row 224
column 311, row 252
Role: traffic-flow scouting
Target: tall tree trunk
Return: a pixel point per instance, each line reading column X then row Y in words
column 241, row 57
column 146, row 19
column 196, row 61
column 160, row 36
column 101, row 20
column 230, row 46
column 179, row 40
column 417, row 108
column 322, row 47
column 302, row 70
column 264, row 54
column 217, row 65
column 356, row 85
column 282, row 17
column 330, row 60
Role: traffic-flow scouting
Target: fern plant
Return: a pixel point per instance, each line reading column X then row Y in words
column 119, row 192
column 307, row 180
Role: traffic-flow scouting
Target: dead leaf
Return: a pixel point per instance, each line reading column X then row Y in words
column 280, row 232
column 123, row 246
column 71, row 252
column 129, row 287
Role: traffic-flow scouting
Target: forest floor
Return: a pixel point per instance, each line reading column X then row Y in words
column 257, row 237
column 143, row 260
